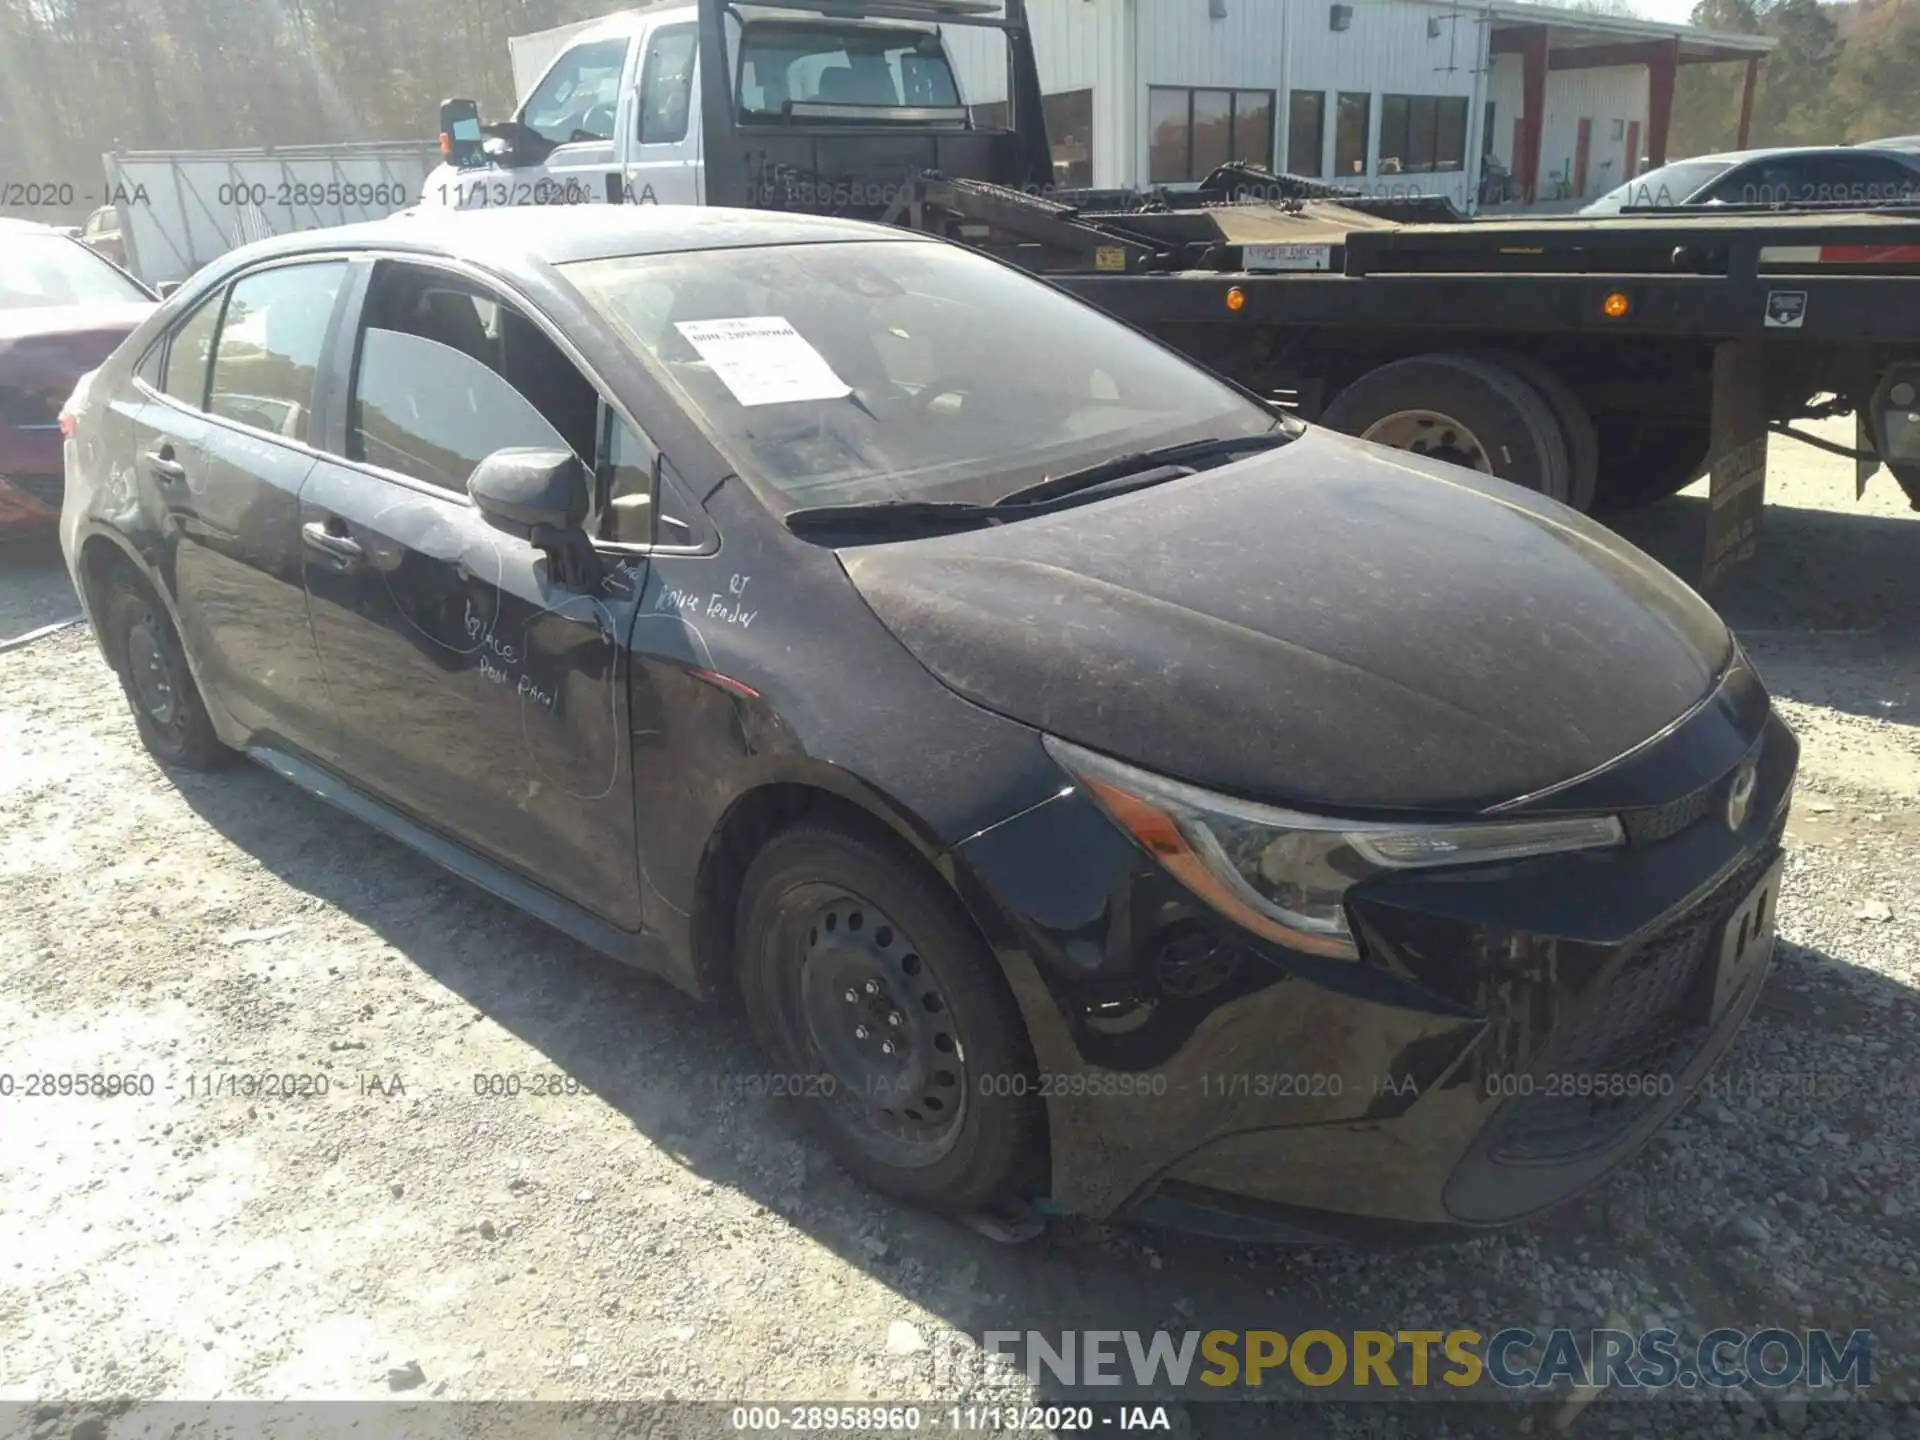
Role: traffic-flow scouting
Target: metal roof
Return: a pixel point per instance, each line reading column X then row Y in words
column 1575, row 28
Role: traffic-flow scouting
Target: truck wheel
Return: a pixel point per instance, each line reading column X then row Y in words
column 1463, row 410
column 868, row 988
column 1576, row 425
column 1641, row 462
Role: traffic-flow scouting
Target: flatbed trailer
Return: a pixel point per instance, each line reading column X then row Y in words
column 1605, row 362
column 1656, row 347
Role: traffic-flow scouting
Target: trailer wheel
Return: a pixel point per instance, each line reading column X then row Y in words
column 1643, row 462
column 1463, row 410
column 1576, row 424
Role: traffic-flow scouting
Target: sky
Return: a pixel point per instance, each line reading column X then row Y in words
column 1672, row 12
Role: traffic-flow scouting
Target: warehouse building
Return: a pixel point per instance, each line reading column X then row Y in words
column 1397, row 96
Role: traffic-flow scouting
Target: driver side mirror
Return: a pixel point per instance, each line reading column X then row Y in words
column 543, row 497
column 460, row 133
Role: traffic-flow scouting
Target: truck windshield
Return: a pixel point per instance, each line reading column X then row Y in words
column 808, row 68
column 44, row 270
column 843, row 373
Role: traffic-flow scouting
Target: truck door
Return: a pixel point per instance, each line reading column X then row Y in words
column 582, row 105
column 664, row 162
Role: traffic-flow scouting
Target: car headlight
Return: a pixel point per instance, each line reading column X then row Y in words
column 1285, row 875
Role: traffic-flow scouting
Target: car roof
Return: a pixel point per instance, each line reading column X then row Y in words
column 19, row 227
column 511, row 237
column 1740, row 157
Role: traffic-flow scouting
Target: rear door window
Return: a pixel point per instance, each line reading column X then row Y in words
column 189, row 352
column 270, row 344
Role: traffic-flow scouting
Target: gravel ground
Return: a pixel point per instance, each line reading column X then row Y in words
column 650, row 1231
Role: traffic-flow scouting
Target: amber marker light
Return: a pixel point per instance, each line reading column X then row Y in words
column 1160, row 836
column 1236, row 298
column 1616, row 305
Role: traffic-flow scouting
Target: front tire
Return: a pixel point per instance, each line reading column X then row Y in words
column 157, row 681
column 885, row 1016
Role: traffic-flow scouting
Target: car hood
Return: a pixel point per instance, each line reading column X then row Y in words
column 1330, row 624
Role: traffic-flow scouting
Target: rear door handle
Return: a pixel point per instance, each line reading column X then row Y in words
column 316, row 535
column 165, row 468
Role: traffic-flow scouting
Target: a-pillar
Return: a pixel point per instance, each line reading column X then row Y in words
column 1662, row 66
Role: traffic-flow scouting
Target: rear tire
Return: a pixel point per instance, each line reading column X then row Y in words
column 1577, row 429
column 156, row 679
column 845, row 949
column 1643, row 462
column 1464, row 410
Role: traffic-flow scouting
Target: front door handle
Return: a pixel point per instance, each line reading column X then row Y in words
column 344, row 549
column 165, row 468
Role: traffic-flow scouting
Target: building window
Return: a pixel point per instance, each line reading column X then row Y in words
column 1191, row 132
column 1069, row 133
column 1422, row 133
column 1352, row 112
column 1306, row 132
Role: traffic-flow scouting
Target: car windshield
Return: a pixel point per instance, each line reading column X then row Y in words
column 1669, row 185
column 785, row 64
column 43, row 270
column 850, row 373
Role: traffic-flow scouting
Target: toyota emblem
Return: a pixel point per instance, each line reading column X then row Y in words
column 1740, row 797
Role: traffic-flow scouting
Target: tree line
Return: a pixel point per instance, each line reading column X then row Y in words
column 1840, row 74
column 81, row 78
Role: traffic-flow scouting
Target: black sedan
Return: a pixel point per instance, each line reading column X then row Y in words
column 1108, row 794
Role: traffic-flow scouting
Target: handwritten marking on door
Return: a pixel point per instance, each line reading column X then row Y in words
column 500, row 662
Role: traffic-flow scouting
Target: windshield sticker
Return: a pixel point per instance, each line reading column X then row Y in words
column 763, row 360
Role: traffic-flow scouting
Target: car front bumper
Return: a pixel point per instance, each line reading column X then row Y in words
column 1513, row 1033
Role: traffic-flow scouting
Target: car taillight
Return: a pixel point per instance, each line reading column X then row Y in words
column 66, row 422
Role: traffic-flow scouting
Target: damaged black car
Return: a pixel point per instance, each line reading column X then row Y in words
column 1108, row 794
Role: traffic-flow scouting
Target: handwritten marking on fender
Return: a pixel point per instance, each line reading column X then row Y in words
column 728, row 608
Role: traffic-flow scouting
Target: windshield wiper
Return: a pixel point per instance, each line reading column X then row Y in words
column 1116, row 476
column 890, row 517
column 1177, row 459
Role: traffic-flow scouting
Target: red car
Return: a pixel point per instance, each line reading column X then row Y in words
column 63, row 309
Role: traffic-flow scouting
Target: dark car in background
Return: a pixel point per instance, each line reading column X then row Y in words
column 1100, row 788
column 1861, row 175
column 62, row 310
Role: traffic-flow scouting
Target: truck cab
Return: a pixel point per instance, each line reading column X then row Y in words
column 817, row 105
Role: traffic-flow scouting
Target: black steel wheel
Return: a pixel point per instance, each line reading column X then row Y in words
column 886, row 1017
column 158, row 682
